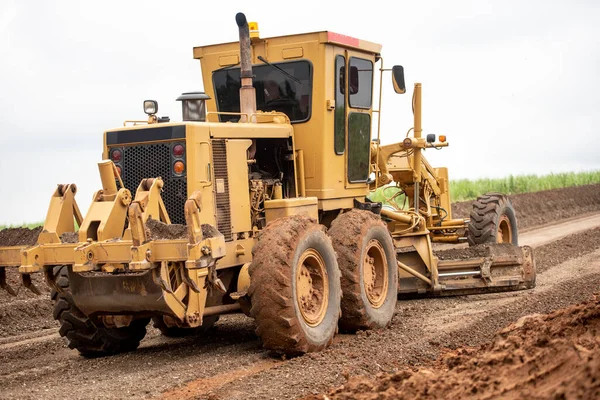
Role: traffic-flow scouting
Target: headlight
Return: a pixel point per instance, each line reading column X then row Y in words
column 150, row 107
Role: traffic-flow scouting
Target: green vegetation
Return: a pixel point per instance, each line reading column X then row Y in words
column 465, row 189
column 23, row 225
column 389, row 194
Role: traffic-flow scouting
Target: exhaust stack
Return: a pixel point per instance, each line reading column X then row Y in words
column 247, row 92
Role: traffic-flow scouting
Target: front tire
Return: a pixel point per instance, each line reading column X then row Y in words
column 493, row 220
column 367, row 261
column 295, row 286
column 91, row 338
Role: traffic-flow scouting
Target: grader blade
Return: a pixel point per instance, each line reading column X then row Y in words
column 486, row 268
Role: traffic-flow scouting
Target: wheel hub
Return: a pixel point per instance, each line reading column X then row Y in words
column 375, row 273
column 312, row 287
column 504, row 230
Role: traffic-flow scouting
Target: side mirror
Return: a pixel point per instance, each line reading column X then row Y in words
column 398, row 79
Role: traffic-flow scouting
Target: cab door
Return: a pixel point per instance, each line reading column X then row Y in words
column 354, row 98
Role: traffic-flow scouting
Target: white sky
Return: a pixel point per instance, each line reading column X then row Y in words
column 513, row 84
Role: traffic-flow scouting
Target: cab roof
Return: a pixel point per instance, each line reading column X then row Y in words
column 326, row 37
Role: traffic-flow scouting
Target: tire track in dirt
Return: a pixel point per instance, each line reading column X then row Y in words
column 48, row 334
column 539, row 237
column 201, row 386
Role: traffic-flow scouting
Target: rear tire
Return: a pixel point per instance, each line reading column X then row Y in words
column 493, row 220
column 295, row 286
column 91, row 338
column 175, row 331
column 367, row 261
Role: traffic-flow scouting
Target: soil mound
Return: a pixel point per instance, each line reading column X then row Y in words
column 540, row 208
column 19, row 236
column 30, row 315
column 25, row 312
column 157, row 230
column 69, row 237
column 538, row 357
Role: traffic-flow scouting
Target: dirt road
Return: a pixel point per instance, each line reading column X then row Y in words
column 230, row 364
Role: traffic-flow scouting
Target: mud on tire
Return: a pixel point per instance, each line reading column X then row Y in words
column 493, row 220
column 89, row 337
column 362, row 240
column 295, row 286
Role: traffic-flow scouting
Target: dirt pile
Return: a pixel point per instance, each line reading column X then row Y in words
column 21, row 316
column 27, row 311
column 157, row 230
column 69, row 237
column 540, row 208
column 19, row 236
column 539, row 356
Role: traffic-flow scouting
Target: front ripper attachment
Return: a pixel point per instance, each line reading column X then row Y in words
column 486, row 268
column 62, row 214
column 25, row 280
column 4, row 284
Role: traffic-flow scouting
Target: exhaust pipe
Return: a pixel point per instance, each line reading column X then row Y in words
column 247, row 92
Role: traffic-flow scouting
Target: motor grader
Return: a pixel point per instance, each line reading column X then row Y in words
column 267, row 179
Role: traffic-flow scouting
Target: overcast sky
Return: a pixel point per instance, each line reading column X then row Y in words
column 513, row 84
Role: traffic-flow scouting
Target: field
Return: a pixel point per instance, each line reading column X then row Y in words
column 477, row 346
column 465, row 189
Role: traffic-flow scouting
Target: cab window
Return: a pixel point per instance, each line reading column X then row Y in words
column 359, row 139
column 360, row 83
column 340, row 106
column 286, row 88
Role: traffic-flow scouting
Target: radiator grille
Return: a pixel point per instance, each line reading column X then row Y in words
column 222, row 196
column 152, row 161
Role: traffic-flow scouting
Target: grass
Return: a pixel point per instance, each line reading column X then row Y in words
column 465, row 189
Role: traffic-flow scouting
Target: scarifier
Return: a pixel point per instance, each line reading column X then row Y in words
column 269, row 178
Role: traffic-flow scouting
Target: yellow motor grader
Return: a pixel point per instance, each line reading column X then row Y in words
column 258, row 202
